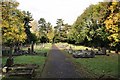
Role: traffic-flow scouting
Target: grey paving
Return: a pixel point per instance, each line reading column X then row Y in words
column 58, row 66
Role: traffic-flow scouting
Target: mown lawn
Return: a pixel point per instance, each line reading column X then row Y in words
column 100, row 66
column 32, row 59
column 27, row 59
column 40, row 49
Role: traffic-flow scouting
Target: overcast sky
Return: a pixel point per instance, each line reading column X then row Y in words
column 52, row 10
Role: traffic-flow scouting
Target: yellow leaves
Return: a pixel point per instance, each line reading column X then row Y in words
column 114, row 37
column 113, row 6
column 50, row 35
column 109, row 23
column 37, row 33
column 12, row 25
column 12, row 33
column 112, row 23
column 114, row 3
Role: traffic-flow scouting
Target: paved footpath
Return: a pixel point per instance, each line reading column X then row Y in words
column 58, row 66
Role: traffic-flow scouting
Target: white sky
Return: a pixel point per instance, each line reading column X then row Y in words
column 52, row 10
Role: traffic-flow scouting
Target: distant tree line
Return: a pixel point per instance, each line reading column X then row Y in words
column 98, row 25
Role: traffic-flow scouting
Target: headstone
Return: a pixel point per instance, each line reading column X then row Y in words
column 104, row 50
column 109, row 51
column 87, row 49
column 45, row 54
column 84, row 54
column 99, row 49
column 9, row 62
column 32, row 47
column 70, row 50
column 15, row 49
column 116, row 51
column 92, row 53
column 29, row 52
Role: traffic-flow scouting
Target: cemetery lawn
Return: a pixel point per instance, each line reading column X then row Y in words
column 28, row 59
column 38, row 59
column 100, row 66
column 106, row 66
column 39, row 48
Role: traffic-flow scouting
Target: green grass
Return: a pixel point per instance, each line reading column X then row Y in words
column 32, row 59
column 29, row 58
column 100, row 65
column 95, row 67
column 39, row 49
column 4, row 59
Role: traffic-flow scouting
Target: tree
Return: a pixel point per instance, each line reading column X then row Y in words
column 34, row 26
column 12, row 23
column 43, row 27
column 42, row 24
column 13, row 31
column 64, row 32
column 89, row 27
column 112, row 23
column 34, row 30
column 27, row 19
column 58, row 30
column 59, row 25
column 50, row 32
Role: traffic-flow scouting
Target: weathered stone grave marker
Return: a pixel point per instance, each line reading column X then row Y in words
column 70, row 50
column 104, row 50
column 9, row 62
column 84, row 54
column 101, row 52
column 32, row 47
column 29, row 52
column 45, row 54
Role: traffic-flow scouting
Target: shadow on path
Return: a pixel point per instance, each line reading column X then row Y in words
column 58, row 66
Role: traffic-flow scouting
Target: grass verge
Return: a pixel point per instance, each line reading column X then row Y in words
column 99, row 67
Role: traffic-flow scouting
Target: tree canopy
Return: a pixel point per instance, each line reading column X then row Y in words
column 98, row 25
column 112, row 23
column 12, row 23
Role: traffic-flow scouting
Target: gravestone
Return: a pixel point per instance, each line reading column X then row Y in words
column 84, row 54
column 104, row 50
column 9, row 62
column 109, row 51
column 32, row 47
column 99, row 49
column 29, row 52
column 22, row 70
column 45, row 54
column 15, row 49
column 86, row 49
column 92, row 53
column 116, row 51
column 70, row 50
